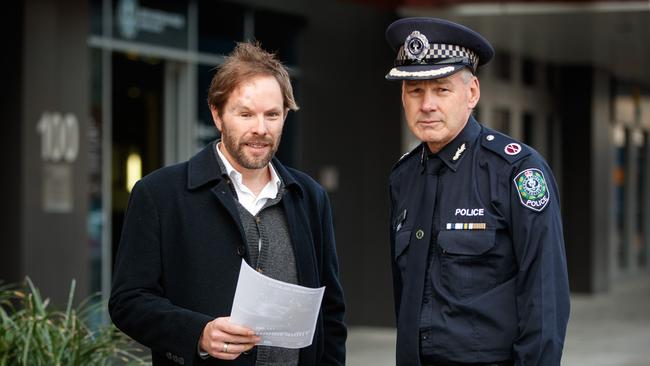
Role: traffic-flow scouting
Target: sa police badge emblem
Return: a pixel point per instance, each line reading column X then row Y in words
column 416, row 46
column 532, row 189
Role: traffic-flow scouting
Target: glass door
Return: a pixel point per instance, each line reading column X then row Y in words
column 137, row 128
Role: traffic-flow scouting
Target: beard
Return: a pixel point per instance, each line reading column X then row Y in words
column 236, row 149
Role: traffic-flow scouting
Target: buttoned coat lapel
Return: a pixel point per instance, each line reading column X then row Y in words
column 204, row 169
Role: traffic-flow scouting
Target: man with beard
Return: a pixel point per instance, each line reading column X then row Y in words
column 188, row 226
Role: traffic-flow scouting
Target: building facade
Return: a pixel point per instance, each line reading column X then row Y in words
column 101, row 92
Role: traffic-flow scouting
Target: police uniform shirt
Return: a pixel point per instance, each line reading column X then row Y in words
column 496, row 285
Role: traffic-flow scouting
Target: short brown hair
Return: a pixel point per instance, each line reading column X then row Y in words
column 246, row 61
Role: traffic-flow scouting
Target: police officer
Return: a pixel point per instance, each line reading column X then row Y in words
column 479, row 267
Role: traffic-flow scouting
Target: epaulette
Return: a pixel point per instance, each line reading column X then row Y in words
column 503, row 145
column 416, row 150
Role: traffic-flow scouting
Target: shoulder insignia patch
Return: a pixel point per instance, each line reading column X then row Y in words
column 532, row 189
column 512, row 148
column 504, row 146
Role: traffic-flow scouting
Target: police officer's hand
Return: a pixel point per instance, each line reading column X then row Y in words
column 225, row 340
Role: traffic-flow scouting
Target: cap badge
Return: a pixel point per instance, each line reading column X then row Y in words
column 416, row 46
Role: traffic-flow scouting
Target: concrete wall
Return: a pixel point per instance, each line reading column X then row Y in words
column 350, row 122
column 53, row 237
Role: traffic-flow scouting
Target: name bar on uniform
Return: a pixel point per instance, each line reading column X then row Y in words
column 466, row 226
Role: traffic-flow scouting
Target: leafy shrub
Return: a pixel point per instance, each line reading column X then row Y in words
column 34, row 334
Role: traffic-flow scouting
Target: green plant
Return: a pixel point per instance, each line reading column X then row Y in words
column 34, row 334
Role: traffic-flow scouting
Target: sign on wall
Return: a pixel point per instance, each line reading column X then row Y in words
column 59, row 135
column 158, row 22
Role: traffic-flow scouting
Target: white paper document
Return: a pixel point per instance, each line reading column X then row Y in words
column 282, row 314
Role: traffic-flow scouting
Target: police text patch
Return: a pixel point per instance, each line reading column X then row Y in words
column 532, row 189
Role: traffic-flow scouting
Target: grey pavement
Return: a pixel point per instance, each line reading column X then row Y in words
column 609, row 329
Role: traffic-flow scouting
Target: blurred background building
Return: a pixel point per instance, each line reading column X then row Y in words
column 97, row 93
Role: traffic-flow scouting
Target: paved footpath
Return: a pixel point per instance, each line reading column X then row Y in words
column 610, row 329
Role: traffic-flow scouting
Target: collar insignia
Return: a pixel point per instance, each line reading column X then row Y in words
column 459, row 152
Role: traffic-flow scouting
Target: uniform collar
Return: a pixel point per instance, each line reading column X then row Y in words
column 454, row 152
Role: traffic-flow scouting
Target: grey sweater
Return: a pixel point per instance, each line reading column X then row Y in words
column 274, row 258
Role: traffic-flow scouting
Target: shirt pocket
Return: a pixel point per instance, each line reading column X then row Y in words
column 466, row 266
column 402, row 240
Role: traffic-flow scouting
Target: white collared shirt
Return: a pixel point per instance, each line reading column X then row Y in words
column 246, row 197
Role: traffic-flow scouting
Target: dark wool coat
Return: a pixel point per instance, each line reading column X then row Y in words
column 180, row 254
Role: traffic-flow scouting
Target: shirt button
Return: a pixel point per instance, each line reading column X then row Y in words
column 241, row 250
column 426, row 300
column 419, row 234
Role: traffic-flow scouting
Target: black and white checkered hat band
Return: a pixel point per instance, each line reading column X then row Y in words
column 437, row 53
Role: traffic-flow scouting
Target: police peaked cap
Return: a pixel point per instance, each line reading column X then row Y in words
column 432, row 48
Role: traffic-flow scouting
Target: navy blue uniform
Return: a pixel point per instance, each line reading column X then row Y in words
column 493, row 282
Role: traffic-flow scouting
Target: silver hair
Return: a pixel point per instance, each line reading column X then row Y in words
column 466, row 75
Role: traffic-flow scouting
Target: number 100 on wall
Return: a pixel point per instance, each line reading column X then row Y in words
column 59, row 137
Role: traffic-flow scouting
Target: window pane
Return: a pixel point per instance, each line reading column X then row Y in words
column 501, row 120
column 220, row 26
column 503, row 65
column 206, row 131
column 529, row 128
column 96, row 21
column 528, row 69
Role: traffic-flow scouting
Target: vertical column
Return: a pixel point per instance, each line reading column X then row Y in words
column 172, row 115
column 55, row 175
column 516, row 128
column 600, row 182
column 577, row 200
column 107, row 158
column 645, row 205
column 630, row 202
column 583, row 96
